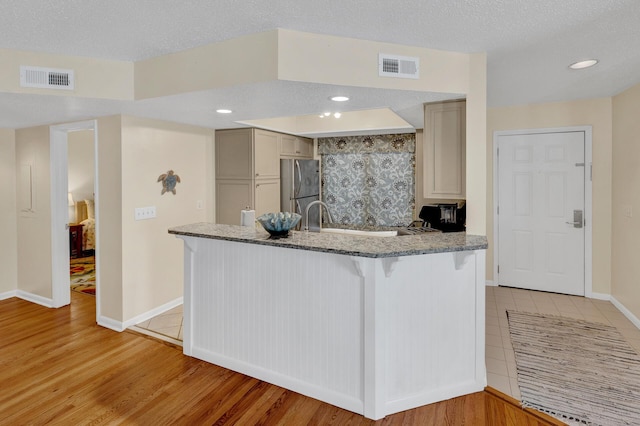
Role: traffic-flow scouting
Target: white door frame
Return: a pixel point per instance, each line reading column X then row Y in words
column 588, row 197
column 60, row 291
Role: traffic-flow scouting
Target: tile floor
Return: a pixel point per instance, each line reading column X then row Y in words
column 500, row 359
column 167, row 324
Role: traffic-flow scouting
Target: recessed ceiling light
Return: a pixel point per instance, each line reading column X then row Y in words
column 339, row 98
column 337, row 115
column 326, row 114
column 224, row 111
column 583, row 64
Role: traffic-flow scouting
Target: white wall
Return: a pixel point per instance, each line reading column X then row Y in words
column 594, row 112
column 626, row 193
column 152, row 259
column 8, row 217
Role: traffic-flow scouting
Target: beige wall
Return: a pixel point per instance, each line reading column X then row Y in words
column 8, row 216
column 593, row 112
column 476, row 122
column 34, row 226
column 243, row 60
column 152, row 259
column 81, row 164
column 109, row 217
column 626, row 192
column 328, row 59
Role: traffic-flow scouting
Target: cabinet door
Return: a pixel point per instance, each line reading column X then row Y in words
column 267, row 196
column 296, row 147
column 445, row 150
column 232, row 196
column 266, row 154
column 234, row 154
column 288, row 146
column 305, row 147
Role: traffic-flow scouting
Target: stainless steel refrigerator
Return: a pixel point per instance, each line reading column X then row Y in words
column 299, row 186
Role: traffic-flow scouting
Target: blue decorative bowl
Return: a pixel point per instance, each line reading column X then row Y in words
column 279, row 224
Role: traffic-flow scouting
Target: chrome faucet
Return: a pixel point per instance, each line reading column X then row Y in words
column 306, row 213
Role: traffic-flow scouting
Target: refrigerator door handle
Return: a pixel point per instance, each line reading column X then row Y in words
column 299, row 211
column 296, row 187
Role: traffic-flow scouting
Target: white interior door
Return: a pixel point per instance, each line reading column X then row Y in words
column 541, row 204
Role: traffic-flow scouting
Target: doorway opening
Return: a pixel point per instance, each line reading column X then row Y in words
column 74, row 181
column 82, row 224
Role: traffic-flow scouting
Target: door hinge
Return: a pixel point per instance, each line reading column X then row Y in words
column 498, row 210
column 591, row 172
column 498, row 268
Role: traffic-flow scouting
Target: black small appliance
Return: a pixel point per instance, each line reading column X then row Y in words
column 444, row 217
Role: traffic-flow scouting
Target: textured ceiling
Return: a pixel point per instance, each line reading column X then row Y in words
column 529, row 45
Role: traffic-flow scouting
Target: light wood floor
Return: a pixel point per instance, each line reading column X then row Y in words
column 58, row 367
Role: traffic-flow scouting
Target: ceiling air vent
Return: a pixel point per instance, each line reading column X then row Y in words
column 398, row 66
column 46, row 78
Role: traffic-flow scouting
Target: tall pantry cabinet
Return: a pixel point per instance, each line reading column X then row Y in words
column 248, row 170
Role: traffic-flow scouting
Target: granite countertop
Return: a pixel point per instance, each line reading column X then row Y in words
column 351, row 245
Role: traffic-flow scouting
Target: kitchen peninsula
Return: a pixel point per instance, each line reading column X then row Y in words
column 375, row 325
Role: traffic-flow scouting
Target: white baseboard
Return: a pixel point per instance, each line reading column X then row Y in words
column 490, row 283
column 8, row 294
column 121, row 326
column 600, row 296
column 627, row 313
column 111, row 323
column 34, row 298
column 154, row 312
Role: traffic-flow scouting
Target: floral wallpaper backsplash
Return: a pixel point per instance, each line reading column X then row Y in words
column 369, row 180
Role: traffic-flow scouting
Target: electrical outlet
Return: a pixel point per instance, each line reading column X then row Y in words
column 199, row 205
column 143, row 213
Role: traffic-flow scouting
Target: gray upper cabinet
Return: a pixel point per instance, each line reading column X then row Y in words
column 296, row 147
column 266, row 155
column 445, row 150
column 234, row 154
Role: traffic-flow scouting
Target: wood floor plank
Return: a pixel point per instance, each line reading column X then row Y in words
column 57, row 366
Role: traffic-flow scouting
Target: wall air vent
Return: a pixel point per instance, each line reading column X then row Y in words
column 398, row 66
column 46, row 78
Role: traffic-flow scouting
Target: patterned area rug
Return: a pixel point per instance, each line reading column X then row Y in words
column 576, row 370
column 83, row 275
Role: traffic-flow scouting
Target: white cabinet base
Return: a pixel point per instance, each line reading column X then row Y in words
column 373, row 336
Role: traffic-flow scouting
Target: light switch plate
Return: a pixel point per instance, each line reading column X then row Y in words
column 143, row 213
column 628, row 210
